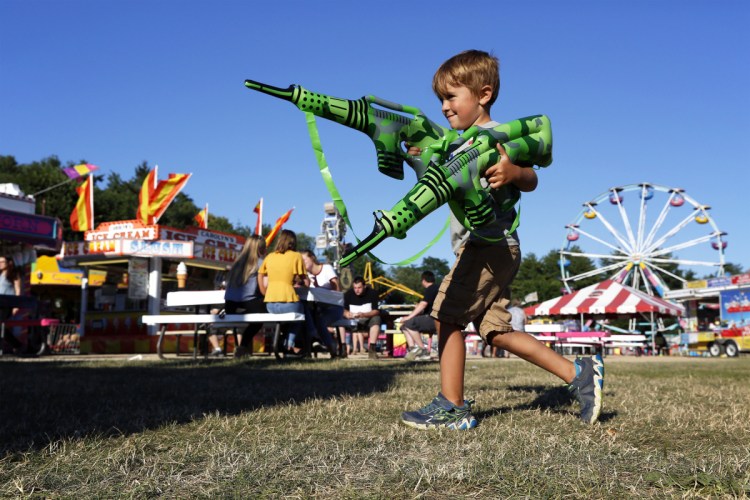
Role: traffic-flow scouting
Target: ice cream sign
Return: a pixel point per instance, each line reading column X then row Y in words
column 122, row 231
column 160, row 248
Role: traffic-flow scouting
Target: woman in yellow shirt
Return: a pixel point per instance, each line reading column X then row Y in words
column 277, row 277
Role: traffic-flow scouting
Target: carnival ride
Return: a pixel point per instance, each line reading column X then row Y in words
column 639, row 253
column 389, row 284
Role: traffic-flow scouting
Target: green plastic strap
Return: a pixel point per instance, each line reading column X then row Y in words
column 338, row 202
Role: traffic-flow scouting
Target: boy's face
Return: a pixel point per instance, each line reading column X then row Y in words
column 463, row 109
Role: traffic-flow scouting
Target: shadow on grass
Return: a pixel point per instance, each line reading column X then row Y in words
column 43, row 402
column 552, row 399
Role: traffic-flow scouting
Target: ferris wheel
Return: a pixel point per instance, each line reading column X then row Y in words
column 636, row 235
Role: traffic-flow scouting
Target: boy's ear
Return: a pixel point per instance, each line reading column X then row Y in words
column 485, row 94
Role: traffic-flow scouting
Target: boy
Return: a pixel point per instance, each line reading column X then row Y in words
column 477, row 288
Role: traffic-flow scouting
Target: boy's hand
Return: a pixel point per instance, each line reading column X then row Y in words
column 503, row 172
column 506, row 172
column 412, row 150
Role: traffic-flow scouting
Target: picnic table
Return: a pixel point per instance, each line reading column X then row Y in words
column 205, row 321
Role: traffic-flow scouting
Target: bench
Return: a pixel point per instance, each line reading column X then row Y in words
column 634, row 341
column 196, row 299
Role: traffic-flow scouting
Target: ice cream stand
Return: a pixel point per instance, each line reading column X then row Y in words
column 150, row 259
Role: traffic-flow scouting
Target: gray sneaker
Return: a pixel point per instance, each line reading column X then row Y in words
column 424, row 355
column 413, row 353
column 588, row 386
column 441, row 413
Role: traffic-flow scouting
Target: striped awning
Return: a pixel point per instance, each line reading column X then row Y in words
column 607, row 297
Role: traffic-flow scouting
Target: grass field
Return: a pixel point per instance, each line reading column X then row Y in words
column 671, row 427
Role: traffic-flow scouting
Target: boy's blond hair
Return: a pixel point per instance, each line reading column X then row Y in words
column 472, row 69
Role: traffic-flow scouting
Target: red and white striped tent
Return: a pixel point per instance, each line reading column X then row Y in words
column 607, row 297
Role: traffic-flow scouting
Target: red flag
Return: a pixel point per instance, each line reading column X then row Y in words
column 144, row 198
column 165, row 192
column 82, row 216
column 202, row 218
column 277, row 227
column 259, row 210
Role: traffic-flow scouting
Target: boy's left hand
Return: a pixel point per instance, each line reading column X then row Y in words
column 503, row 172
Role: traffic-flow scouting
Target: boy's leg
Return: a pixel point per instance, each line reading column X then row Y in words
column 585, row 376
column 448, row 409
column 532, row 350
column 452, row 352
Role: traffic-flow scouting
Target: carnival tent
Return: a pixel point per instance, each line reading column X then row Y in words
column 607, row 297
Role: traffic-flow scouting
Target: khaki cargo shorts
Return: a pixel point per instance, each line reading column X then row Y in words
column 477, row 288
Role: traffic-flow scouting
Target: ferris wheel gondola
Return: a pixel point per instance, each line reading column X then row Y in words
column 630, row 246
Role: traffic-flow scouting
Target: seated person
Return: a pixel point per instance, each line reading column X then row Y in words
column 318, row 315
column 361, row 303
column 419, row 321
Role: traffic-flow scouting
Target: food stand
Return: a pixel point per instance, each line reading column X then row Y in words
column 22, row 234
column 143, row 260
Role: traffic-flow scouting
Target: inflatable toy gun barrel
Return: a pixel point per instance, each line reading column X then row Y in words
column 386, row 129
column 527, row 141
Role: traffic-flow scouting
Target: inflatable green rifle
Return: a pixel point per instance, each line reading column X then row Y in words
column 442, row 177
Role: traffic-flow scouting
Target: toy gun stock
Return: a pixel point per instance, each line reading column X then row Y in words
column 527, row 142
column 386, row 129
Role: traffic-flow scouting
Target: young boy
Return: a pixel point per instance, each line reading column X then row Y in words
column 477, row 289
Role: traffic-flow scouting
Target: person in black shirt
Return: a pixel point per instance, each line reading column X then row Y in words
column 361, row 303
column 419, row 321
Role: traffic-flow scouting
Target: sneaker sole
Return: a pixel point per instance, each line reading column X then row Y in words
column 462, row 425
column 598, row 387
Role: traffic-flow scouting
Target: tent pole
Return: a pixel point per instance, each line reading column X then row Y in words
column 653, row 334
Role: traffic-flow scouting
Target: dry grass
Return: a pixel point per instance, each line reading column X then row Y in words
column 670, row 428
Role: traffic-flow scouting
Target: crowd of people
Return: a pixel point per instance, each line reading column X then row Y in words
column 288, row 280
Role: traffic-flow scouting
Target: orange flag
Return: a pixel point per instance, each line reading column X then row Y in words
column 164, row 193
column 144, row 197
column 202, row 218
column 259, row 210
column 82, row 216
column 277, row 227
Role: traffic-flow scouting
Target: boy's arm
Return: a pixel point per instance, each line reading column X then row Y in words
column 505, row 172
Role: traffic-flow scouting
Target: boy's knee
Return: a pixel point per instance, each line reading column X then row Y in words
column 498, row 339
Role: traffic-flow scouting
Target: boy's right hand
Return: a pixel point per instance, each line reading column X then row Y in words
column 412, row 150
column 506, row 172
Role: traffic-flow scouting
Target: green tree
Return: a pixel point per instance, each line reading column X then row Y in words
column 534, row 277
column 543, row 275
column 440, row 267
column 114, row 199
column 732, row 269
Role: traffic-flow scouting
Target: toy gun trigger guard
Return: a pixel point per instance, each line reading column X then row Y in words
column 377, row 235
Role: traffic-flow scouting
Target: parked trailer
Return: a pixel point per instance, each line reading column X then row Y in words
column 730, row 341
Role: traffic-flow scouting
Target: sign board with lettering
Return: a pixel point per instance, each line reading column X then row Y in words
column 32, row 229
column 138, row 279
column 158, row 248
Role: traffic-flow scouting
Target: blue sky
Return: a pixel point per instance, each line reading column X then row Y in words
column 638, row 91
